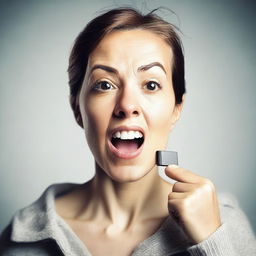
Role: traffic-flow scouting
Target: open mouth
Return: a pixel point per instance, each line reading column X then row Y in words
column 127, row 144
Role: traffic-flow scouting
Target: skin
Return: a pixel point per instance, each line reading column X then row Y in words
column 141, row 107
column 123, row 194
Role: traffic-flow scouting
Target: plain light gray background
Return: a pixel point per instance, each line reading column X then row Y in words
column 40, row 141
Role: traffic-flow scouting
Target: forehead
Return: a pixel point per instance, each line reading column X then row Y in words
column 132, row 47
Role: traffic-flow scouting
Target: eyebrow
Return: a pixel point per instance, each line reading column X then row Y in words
column 106, row 68
column 141, row 68
column 150, row 65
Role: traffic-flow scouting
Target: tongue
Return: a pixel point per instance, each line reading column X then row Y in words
column 126, row 146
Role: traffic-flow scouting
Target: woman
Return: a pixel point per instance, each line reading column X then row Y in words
column 127, row 91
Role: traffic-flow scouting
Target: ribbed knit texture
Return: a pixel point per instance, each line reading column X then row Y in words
column 38, row 230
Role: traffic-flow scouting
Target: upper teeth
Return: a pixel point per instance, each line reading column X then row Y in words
column 127, row 135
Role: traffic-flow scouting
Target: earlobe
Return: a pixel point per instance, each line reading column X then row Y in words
column 177, row 112
column 76, row 111
column 79, row 120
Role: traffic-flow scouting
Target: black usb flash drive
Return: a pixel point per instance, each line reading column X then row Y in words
column 164, row 158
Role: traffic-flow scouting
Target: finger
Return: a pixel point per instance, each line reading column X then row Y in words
column 176, row 195
column 184, row 187
column 180, row 174
column 174, row 210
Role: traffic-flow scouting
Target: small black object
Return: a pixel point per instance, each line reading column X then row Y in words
column 164, row 158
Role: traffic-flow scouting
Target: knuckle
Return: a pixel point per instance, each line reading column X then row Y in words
column 175, row 186
column 170, row 196
column 208, row 186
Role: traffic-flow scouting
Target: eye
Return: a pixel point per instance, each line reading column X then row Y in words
column 152, row 86
column 103, row 86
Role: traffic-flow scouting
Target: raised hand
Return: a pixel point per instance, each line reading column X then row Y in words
column 193, row 203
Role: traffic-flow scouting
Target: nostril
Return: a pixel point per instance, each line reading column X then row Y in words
column 119, row 114
column 123, row 114
column 136, row 112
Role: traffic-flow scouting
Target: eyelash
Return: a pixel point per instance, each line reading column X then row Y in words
column 154, row 82
column 97, row 84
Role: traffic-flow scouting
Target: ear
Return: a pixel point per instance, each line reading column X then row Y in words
column 176, row 112
column 74, row 103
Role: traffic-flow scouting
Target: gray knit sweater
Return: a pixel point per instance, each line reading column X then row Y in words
column 38, row 230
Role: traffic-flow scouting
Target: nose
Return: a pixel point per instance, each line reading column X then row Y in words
column 127, row 104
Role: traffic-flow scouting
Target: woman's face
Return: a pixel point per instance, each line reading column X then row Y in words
column 127, row 102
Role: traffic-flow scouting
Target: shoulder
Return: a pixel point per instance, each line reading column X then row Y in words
column 12, row 248
column 229, row 206
column 230, row 210
column 228, row 203
column 236, row 222
column 31, row 229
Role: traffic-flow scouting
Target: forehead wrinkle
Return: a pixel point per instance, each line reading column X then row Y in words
column 107, row 56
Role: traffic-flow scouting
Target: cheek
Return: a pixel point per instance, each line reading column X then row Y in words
column 159, row 114
column 96, row 118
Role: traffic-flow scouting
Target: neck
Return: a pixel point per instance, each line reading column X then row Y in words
column 124, row 204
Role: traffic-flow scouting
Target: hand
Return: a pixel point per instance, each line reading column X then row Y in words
column 193, row 203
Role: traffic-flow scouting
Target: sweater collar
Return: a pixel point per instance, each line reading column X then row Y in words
column 39, row 221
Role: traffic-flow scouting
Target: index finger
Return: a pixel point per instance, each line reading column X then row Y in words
column 180, row 174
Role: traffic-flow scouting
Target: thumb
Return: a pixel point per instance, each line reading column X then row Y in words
column 180, row 174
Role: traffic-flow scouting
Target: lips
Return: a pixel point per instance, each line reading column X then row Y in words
column 126, row 142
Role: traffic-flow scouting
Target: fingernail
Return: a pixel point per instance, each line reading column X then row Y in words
column 174, row 166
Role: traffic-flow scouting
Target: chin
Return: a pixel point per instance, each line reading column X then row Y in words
column 128, row 173
column 126, row 176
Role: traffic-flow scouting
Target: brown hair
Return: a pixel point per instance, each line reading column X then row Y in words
column 122, row 19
